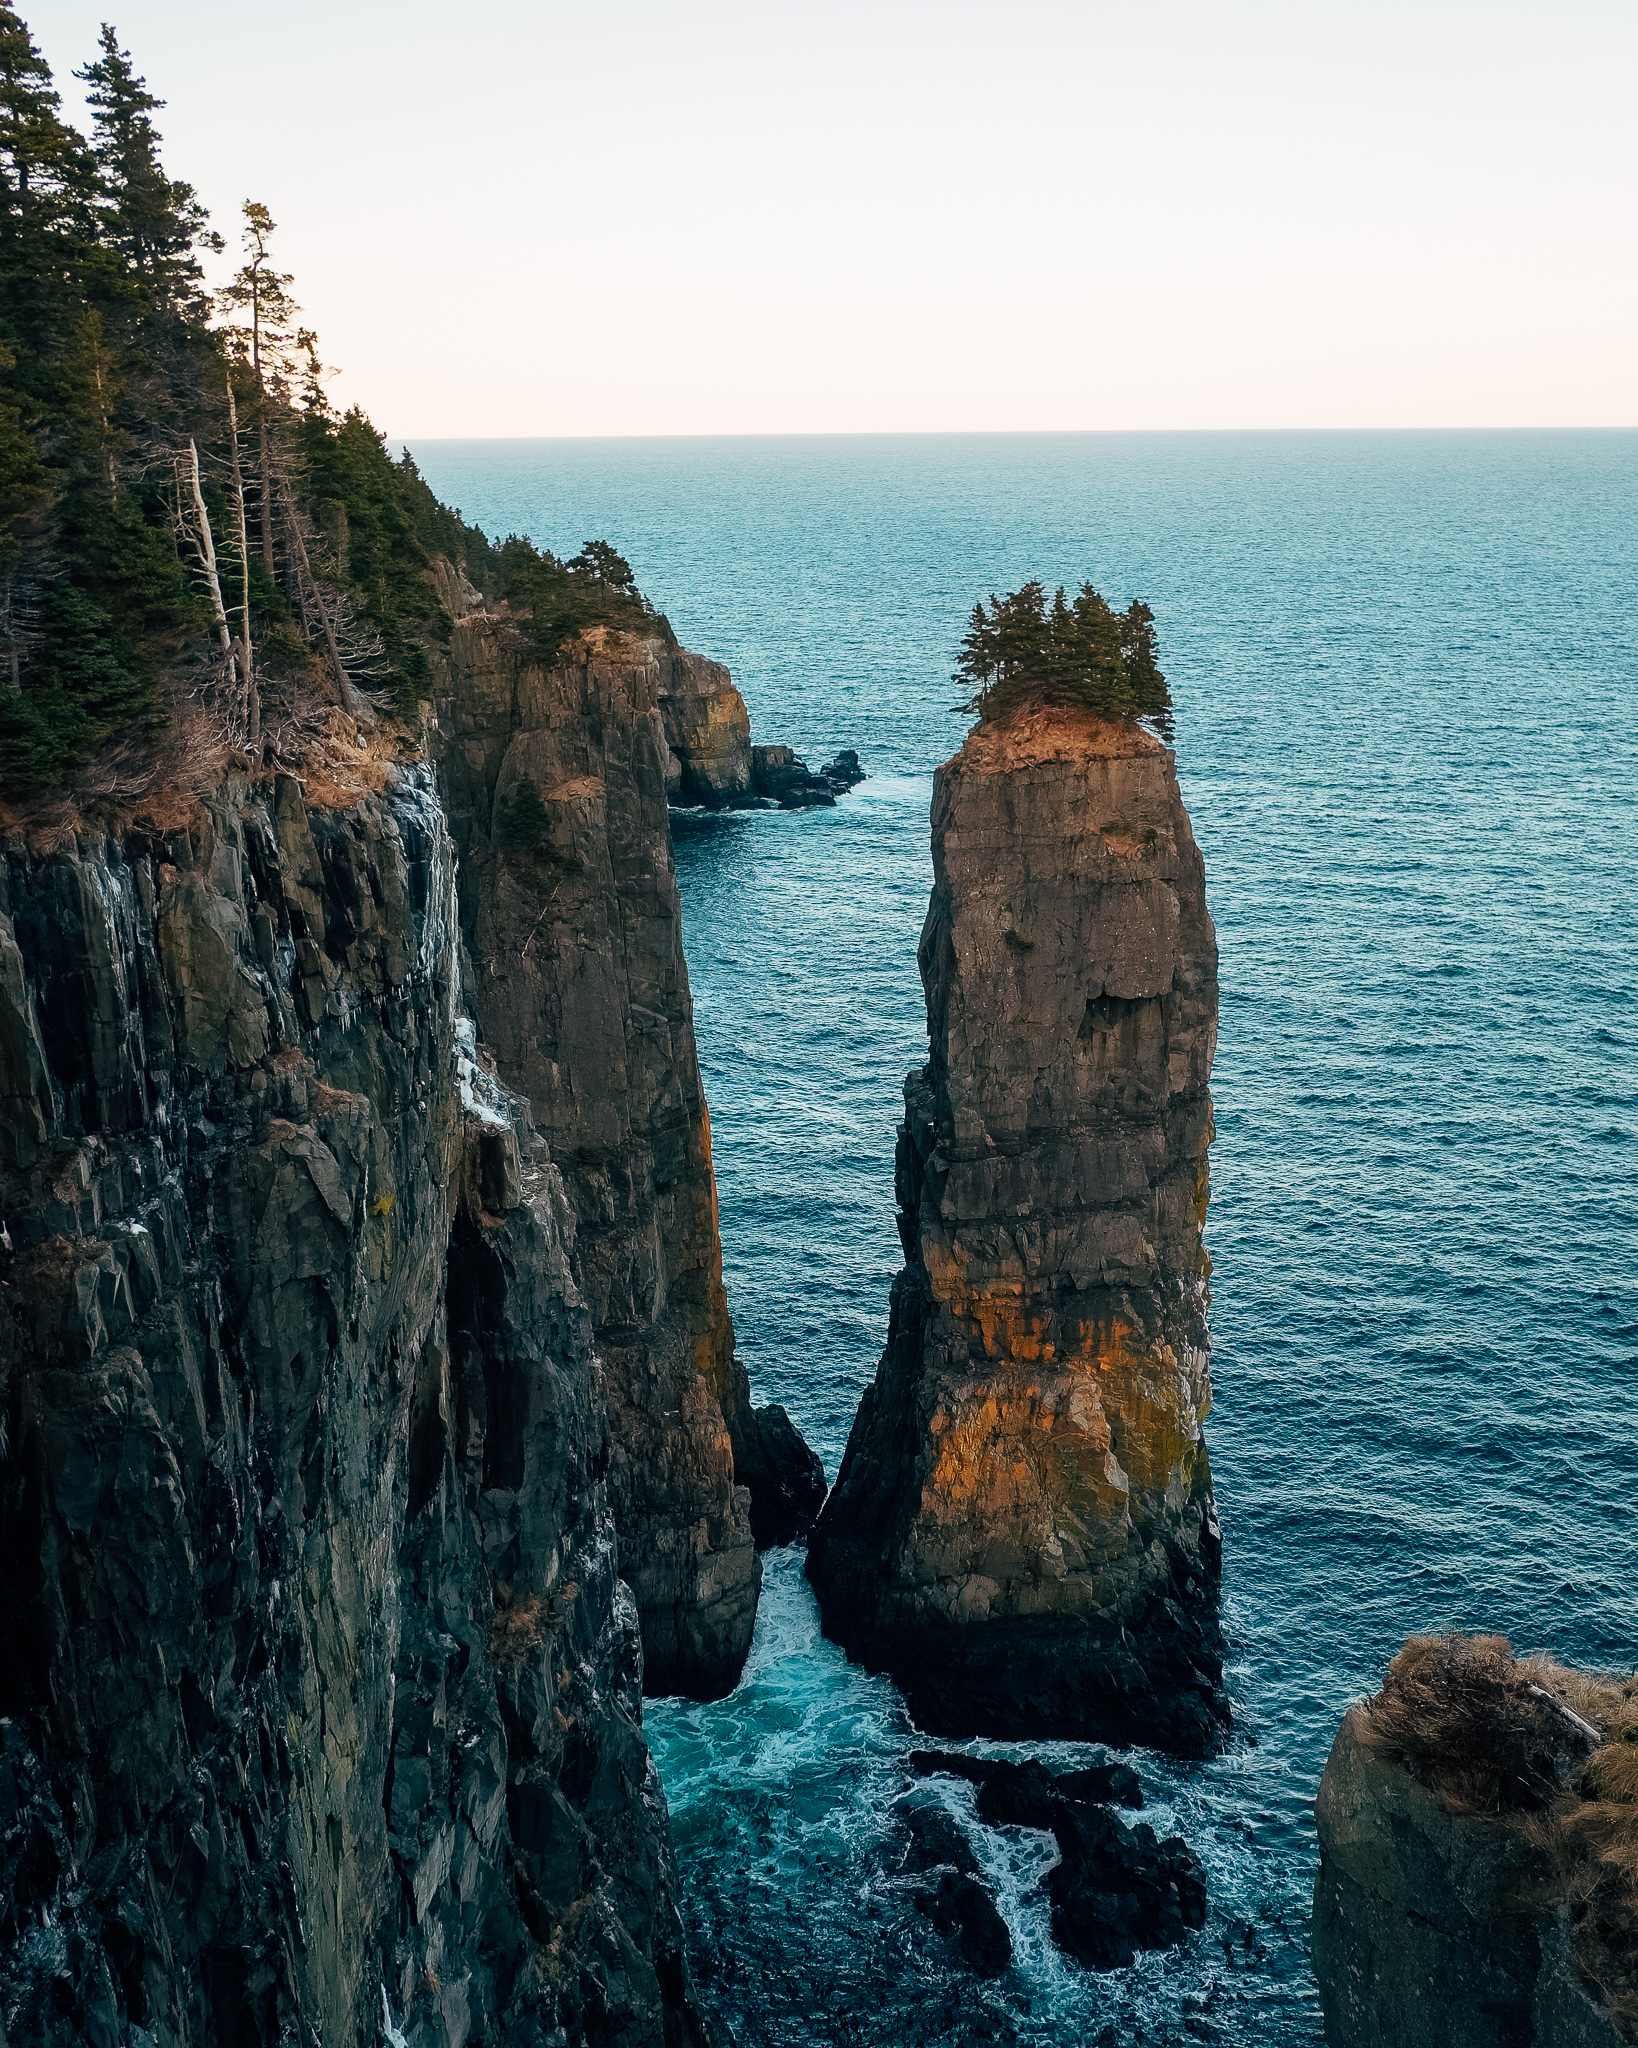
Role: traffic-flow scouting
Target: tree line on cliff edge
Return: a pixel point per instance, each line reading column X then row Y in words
column 1023, row 651
column 186, row 524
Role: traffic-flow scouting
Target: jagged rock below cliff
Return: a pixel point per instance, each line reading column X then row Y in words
column 320, row 1709
column 962, row 1908
column 556, row 784
column 1023, row 1532
column 1114, row 1889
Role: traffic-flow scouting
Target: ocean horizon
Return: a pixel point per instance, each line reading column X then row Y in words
column 1405, row 668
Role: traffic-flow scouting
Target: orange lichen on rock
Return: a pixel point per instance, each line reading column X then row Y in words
column 1023, row 1529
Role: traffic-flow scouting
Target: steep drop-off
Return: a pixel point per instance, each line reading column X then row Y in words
column 1439, row 1929
column 557, row 783
column 320, row 1709
column 1023, row 1532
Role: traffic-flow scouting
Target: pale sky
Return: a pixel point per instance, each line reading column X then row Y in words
column 640, row 218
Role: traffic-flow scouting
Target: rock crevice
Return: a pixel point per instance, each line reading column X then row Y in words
column 321, row 1704
column 557, row 783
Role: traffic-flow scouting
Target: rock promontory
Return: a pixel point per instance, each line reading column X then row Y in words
column 1023, row 1532
column 1478, row 1877
column 557, row 781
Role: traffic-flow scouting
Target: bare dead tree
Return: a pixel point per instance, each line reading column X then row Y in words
column 252, row 693
column 329, row 608
column 204, row 546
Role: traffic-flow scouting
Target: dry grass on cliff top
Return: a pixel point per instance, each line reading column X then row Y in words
column 158, row 777
column 1484, row 1729
column 1038, row 732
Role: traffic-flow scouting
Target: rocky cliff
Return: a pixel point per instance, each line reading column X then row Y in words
column 1478, row 1873
column 557, row 783
column 320, row 1709
column 706, row 728
column 1438, row 1929
column 1023, row 1531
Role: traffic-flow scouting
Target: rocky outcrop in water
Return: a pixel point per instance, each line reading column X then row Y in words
column 1439, row 1928
column 962, row 1906
column 1022, row 1533
column 320, row 1714
column 1025, row 1794
column 556, row 784
column 1114, row 1889
column 708, row 757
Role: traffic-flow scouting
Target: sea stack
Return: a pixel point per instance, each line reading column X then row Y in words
column 1023, row 1532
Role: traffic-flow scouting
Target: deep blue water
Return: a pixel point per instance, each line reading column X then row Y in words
column 1406, row 671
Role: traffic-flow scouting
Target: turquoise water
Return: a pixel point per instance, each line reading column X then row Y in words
column 1406, row 671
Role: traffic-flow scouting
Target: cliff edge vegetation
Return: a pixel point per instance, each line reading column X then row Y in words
column 1071, row 654
column 1478, row 1879
column 198, row 556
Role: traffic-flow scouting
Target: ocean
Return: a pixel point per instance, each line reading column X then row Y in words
column 1405, row 667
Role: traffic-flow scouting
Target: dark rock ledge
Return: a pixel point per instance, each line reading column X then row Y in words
column 1117, row 1888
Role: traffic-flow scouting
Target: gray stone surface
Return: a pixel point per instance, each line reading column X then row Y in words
column 1434, row 1929
column 320, row 1688
column 580, row 986
column 1023, row 1531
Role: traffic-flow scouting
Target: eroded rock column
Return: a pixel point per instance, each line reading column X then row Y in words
column 1023, row 1531
column 556, row 787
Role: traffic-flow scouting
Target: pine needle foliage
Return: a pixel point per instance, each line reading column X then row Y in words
column 182, row 514
column 1021, row 650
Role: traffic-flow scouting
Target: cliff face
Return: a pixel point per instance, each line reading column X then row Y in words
column 1435, row 1929
column 707, row 731
column 582, row 990
column 1023, row 1531
column 320, row 1688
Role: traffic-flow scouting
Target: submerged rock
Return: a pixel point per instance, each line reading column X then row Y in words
column 962, row 1905
column 1117, row 1889
column 1023, row 1532
column 1030, row 1785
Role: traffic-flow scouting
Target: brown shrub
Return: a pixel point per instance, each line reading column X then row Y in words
column 522, row 1624
column 1487, row 1732
column 1473, row 1723
column 517, row 1632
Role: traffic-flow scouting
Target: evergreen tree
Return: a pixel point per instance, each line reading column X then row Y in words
column 264, row 336
column 153, row 221
column 1021, row 651
column 137, row 546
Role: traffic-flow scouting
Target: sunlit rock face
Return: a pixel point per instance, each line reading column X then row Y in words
column 707, row 732
column 1023, row 1531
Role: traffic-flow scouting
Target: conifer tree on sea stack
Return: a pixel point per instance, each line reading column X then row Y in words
column 1020, row 652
